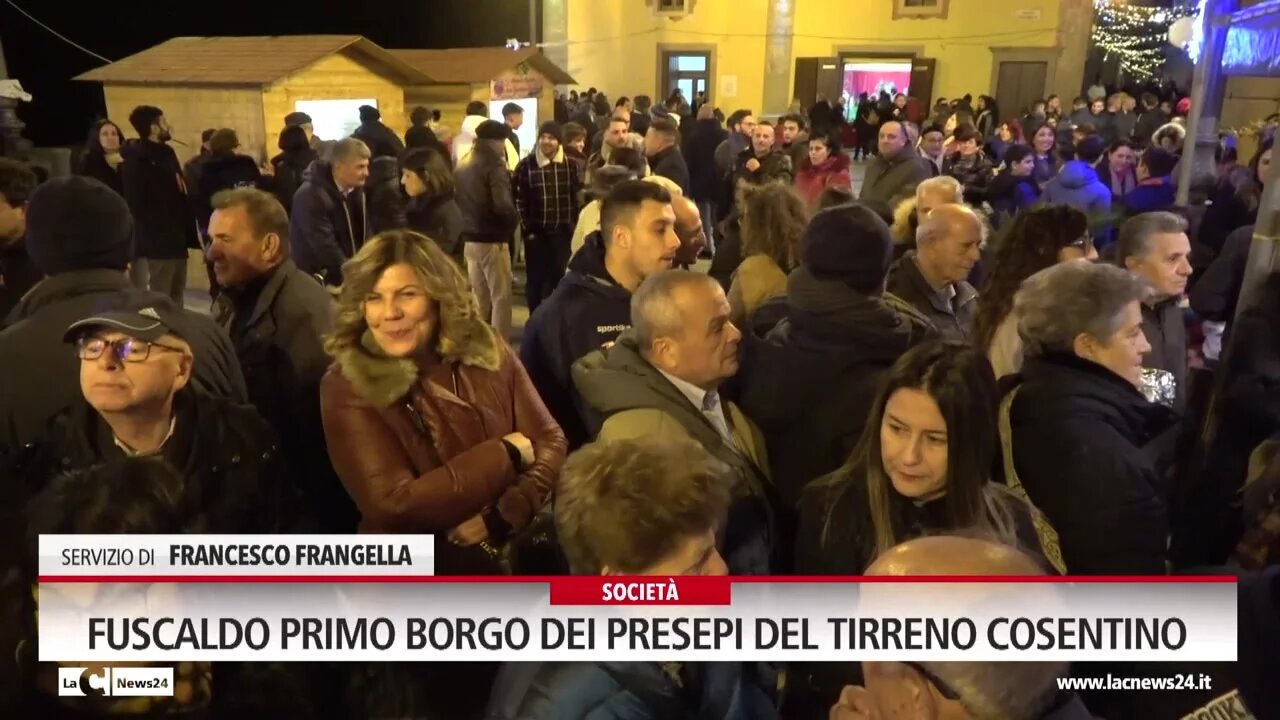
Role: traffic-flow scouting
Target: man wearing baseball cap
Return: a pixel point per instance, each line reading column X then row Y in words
column 80, row 236
column 135, row 401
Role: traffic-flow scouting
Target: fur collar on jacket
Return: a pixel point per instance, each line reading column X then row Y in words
column 381, row 380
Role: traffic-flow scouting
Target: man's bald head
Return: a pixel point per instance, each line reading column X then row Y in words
column 949, row 243
column 985, row 689
column 893, row 139
column 688, row 220
column 949, row 555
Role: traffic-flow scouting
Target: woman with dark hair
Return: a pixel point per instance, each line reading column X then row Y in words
column 988, row 115
column 825, row 167
column 1014, row 189
column 101, row 159
column 432, row 210
column 923, row 465
column 1044, row 142
column 1009, row 133
column 1037, row 239
column 291, row 164
column 225, row 168
column 773, row 219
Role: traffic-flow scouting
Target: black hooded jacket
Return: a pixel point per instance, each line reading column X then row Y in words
column 386, row 200
column 164, row 225
column 382, row 140
column 1083, row 441
column 224, row 172
column 290, row 168
column 810, row 383
column 326, row 229
column 587, row 310
column 705, row 181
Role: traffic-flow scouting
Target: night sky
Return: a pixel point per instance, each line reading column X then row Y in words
column 63, row 110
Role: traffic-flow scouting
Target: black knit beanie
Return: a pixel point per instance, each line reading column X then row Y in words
column 77, row 223
column 848, row 243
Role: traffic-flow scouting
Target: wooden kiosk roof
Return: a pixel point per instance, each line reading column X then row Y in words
column 256, row 60
column 479, row 65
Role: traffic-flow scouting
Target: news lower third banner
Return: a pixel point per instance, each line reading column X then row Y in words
column 173, row 598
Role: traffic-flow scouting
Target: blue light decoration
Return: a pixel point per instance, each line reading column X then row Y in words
column 1197, row 33
column 1253, row 41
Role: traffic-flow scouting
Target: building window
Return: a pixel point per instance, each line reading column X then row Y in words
column 671, row 8
column 920, row 9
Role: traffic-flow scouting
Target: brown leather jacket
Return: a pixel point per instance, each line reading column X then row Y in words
column 419, row 456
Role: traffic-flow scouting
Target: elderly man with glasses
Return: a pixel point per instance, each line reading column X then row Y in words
column 136, row 401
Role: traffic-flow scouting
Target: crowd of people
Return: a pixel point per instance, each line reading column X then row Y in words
column 869, row 384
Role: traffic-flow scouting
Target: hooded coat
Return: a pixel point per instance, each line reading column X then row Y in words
column 326, row 228
column 1009, row 194
column 290, row 166
column 1083, row 442
column 587, row 310
column 1077, row 185
column 422, row 450
column 635, row 400
column 382, row 140
column 811, row 381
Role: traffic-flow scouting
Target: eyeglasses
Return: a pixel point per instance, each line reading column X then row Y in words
column 125, row 349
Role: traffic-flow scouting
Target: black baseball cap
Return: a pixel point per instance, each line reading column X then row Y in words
column 144, row 316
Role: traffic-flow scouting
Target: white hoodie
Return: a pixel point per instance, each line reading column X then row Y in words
column 466, row 140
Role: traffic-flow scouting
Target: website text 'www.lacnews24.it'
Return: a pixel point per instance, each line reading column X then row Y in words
column 1185, row 681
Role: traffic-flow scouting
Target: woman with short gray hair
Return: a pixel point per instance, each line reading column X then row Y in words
column 1075, row 424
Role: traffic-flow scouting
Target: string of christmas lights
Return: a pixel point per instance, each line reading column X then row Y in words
column 1137, row 34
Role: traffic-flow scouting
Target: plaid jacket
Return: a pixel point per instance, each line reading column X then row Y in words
column 547, row 193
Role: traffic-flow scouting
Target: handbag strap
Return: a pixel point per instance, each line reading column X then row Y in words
column 1049, row 543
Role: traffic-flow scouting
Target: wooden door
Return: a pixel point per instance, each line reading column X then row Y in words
column 1020, row 84
column 922, row 72
column 817, row 76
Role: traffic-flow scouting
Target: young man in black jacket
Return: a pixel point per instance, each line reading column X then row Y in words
column 164, row 221
column 592, row 306
column 489, row 220
column 79, row 234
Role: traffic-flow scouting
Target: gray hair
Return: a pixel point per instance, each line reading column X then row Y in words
column 348, row 149
column 1059, row 303
column 1136, row 232
column 941, row 183
column 654, row 313
column 1002, row 689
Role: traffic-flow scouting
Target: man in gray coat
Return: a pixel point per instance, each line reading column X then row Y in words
column 1155, row 247
column 277, row 316
column 892, row 176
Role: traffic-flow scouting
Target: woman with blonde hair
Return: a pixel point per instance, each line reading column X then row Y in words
column 431, row 422
column 773, row 219
column 936, row 191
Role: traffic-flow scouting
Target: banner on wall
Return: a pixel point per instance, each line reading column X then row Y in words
column 521, row 82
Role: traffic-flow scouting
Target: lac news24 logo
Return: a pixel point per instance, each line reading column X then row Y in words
column 117, row 682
